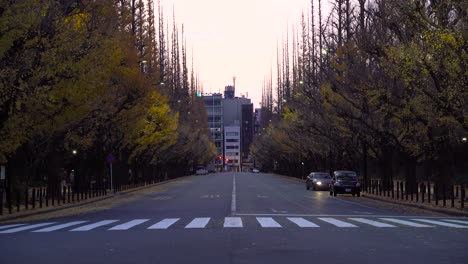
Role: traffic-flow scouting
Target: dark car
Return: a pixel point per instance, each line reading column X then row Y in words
column 345, row 182
column 318, row 181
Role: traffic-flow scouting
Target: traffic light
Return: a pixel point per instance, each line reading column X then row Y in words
column 227, row 160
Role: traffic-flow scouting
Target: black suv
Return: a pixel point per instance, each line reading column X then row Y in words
column 345, row 182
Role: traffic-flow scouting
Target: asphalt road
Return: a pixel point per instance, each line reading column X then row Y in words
column 240, row 218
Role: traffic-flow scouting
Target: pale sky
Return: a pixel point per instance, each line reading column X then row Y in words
column 235, row 37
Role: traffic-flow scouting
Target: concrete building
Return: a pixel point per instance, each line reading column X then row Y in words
column 214, row 110
column 232, row 147
column 236, row 115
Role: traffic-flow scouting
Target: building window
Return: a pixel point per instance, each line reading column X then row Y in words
column 232, row 140
column 232, row 147
column 232, row 134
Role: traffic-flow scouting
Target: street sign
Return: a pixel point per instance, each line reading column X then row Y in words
column 2, row 173
column 110, row 158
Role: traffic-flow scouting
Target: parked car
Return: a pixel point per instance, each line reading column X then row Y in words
column 345, row 182
column 318, row 181
column 255, row 170
column 201, row 171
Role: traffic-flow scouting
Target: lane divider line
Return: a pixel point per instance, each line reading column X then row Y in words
column 233, row 199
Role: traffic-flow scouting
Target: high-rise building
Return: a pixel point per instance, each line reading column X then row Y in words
column 214, row 110
column 230, row 120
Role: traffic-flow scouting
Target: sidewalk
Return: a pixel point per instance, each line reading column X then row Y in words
column 426, row 206
column 83, row 206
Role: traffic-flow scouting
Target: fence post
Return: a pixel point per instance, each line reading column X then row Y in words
column 436, row 193
column 392, row 185
column 40, row 197
column 64, row 193
column 398, row 190
column 59, row 197
column 405, row 184
column 411, row 187
column 462, row 196
column 452, row 198
column 26, row 198
column 52, row 196
column 456, row 191
column 17, row 201
column 423, row 191
column 429, row 192
column 417, row 192
column 69, row 194
column 443, row 195
column 33, row 198
column 47, row 197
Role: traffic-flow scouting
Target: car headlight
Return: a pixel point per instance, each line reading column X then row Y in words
column 319, row 183
column 358, row 184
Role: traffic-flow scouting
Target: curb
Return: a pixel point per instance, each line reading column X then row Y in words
column 122, row 193
column 433, row 209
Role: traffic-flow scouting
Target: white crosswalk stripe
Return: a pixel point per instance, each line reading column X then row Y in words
column 457, row 221
column 128, row 225
column 336, row 222
column 440, row 223
column 404, row 222
column 23, row 228
column 198, row 222
column 58, row 227
column 10, row 226
column 371, row 222
column 301, row 222
column 267, row 222
column 164, row 224
column 232, row 222
column 238, row 222
column 95, row 225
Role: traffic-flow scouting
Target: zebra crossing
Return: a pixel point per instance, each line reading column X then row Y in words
column 235, row 222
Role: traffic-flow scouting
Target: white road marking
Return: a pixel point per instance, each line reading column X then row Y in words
column 440, row 223
column 457, row 221
column 330, row 215
column 128, row 225
column 336, row 222
column 301, row 222
column 10, row 226
column 58, row 227
column 267, row 222
column 95, row 225
column 261, row 196
column 281, row 212
column 404, row 222
column 23, row 228
column 164, row 224
column 198, row 223
column 371, row 222
column 233, row 199
column 233, row 222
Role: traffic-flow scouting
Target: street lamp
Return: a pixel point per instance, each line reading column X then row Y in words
column 74, row 152
column 464, row 139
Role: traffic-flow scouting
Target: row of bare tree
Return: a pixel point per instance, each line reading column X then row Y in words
column 86, row 83
column 376, row 86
